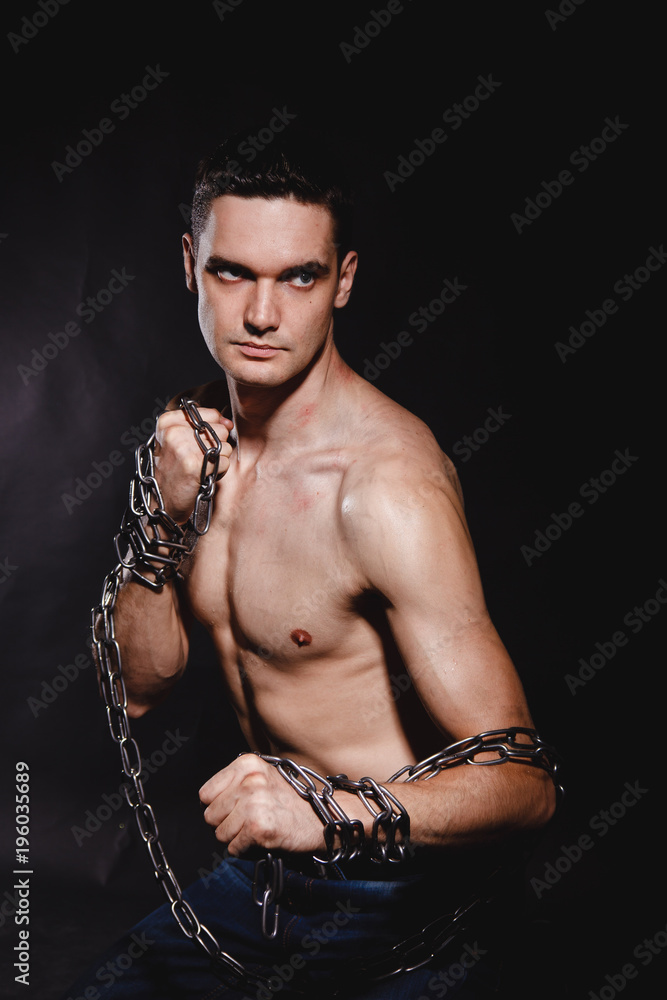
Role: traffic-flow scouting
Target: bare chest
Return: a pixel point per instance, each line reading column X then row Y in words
column 272, row 578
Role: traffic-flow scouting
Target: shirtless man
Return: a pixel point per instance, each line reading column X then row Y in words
column 331, row 489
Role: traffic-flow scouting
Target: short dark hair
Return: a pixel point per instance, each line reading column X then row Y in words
column 296, row 164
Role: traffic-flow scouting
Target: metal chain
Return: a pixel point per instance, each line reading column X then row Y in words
column 425, row 945
column 152, row 559
column 268, row 870
column 389, row 816
column 148, row 563
column 533, row 751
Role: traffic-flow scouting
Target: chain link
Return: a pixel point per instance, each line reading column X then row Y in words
column 389, row 816
column 270, row 871
column 153, row 559
column 140, row 547
column 533, row 751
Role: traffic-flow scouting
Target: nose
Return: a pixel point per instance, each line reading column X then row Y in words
column 262, row 314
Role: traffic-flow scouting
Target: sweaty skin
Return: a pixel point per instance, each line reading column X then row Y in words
column 338, row 510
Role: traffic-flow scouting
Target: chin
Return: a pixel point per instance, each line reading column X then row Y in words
column 256, row 374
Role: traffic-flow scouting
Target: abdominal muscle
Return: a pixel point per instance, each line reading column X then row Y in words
column 344, row 713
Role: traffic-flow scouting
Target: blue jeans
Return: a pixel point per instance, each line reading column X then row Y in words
column 323, row 923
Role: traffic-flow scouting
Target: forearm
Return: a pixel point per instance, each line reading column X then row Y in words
column 153, row 642
column 486, row 789
column 469, row 804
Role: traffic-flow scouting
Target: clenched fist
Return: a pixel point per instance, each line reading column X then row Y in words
column 250, row 805
column 178, row 458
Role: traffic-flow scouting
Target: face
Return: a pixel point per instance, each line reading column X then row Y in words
column 267, row 277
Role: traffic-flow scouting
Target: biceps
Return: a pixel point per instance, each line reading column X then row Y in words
column 421, row 559
column 464, row 676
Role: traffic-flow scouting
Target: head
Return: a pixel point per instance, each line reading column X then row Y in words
column 269, row 255
column 296, row 164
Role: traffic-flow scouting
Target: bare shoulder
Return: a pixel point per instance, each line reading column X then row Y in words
column 401, row 512
column 398, row 458
column 213, row 394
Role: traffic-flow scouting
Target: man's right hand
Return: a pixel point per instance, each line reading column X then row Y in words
column 178, row 458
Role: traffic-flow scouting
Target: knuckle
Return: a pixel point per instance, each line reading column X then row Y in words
column 259, row 830
column 254, row 781
column 170, row 419
column 208, row 414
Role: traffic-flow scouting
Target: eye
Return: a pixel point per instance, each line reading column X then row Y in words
column 229, row 273
column 303, row 279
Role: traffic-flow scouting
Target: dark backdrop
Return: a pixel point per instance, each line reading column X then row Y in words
column 80, row 388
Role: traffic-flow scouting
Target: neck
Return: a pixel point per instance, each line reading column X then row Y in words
column 298, row 411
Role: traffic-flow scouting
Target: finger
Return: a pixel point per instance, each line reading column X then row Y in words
column 248, row 824
column 238, row 843
column 247, row 770
column 232, row 774
column 225, row 824
column 177, row 418
column 180, row 436
column 237, row 835
column 215, row 786
column 211, row 416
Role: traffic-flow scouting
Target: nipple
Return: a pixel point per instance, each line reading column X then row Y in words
column 301, row 637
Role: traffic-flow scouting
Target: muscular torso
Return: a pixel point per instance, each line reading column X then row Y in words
column 303, row 643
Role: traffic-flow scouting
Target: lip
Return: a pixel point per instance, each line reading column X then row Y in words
column 258, row 350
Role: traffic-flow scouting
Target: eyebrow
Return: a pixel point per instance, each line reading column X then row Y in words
column 316, row 267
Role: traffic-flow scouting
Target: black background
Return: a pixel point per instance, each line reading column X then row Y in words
column 123, row 207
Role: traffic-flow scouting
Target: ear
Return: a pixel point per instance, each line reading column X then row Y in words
column 189, row 262
column 348, row 269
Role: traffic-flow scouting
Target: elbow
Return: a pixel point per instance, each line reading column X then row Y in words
column 137, row 708
column 142, row 700
column 541, row 802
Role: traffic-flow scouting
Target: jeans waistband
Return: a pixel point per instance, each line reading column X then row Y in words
column 360, row 868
